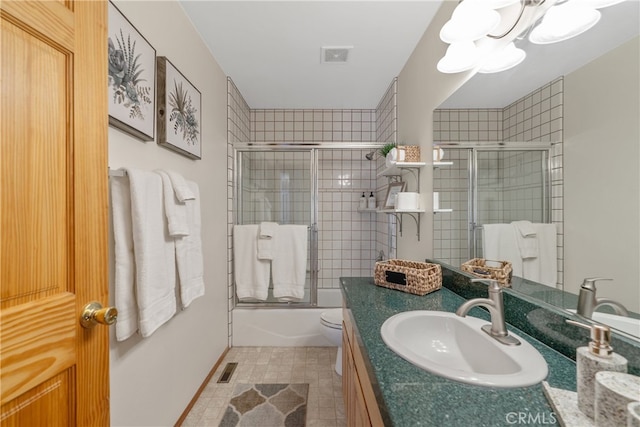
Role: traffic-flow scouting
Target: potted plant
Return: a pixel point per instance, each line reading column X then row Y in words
column 386, row 148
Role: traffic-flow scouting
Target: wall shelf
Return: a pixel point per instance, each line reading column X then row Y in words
column 396, row 171
column 441, row 164
column 399, row 168
column 399, row 214
column 442, row 210
column 367, row 210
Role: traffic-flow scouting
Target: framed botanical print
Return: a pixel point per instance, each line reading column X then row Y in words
column 179, row 111
column 132, row 78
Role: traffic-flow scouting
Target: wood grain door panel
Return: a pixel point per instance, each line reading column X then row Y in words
column 53, row 212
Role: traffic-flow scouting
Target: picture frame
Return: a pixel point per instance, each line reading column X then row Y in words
column 132, row 78
column 179, row 111
column 392, row 191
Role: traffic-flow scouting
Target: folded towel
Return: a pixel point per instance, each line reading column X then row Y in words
column 525, row 228
column 544, row 268
column 154, row 252
column 499, row 244
column 181, row 187
column 266, row 236
column 189, row 252
column 268, row 229
column 251, row 273
column 125, row 268
column 176, row 210
column 289, row 264
column 526, row 238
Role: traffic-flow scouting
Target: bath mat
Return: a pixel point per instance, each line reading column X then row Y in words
column 273, row 405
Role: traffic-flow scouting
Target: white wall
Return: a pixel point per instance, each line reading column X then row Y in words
column 153, row 379
column 421, row 89
column 601, row 173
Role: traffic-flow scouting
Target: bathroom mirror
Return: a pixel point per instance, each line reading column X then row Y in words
column 599, row 198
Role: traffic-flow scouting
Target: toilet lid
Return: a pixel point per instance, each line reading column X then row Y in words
column 333, row 316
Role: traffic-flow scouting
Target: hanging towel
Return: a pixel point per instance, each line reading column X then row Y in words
column 125, row 268
column 526, row 238
column 176, row 210
column 251, row 273
column 154, row 252
column 544, row 268
column 289, row 264
column 181, row 187
column 189, row 252
column 268, row 229
column 266, row 237
column 499, row 244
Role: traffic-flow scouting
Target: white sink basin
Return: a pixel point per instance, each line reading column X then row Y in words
column 621, row 323
column 456, row 348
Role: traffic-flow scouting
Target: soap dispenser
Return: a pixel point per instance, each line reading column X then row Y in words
column 363, row 201
column 597, row 357
column 372, row 201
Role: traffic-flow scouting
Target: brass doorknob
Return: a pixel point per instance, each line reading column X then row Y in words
column 93, row 313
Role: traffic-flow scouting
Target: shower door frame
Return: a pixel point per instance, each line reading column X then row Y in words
column 472, row 169
column 313, row 223
column 313, row 148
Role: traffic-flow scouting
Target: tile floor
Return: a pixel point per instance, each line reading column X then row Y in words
column 312, row 365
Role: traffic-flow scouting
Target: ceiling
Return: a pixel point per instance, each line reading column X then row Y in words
column 272, row 50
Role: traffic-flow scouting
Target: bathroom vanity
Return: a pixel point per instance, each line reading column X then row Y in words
column 381, row 388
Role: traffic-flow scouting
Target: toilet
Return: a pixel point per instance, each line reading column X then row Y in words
column 331, row 325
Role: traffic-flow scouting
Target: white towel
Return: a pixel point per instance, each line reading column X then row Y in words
column 268, row 229
column 499, row 244
column 176, row 210
column 544, row 268
column 266, row 237
column 189, row 252
column 125, row 268
column 289, row 264
column 251, row 273
column 526, row 238
column 181, row 187
column 154, row 252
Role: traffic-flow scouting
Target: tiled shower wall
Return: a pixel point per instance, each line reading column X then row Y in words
column 274, row 125
column 345, row 236
column 238, row 130
column 534, row 118
column 349, row 240
column 386, row 131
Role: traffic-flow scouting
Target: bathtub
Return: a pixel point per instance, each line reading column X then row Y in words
column 283, row 327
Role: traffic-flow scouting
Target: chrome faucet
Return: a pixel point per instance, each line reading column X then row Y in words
column 588, row 302
column 495, row 305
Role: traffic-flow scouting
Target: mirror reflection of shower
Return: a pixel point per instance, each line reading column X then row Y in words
column 487, row 186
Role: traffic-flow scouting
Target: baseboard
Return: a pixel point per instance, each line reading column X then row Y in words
column 200, row 389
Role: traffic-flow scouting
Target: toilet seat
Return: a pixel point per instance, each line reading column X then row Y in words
column 332, row 318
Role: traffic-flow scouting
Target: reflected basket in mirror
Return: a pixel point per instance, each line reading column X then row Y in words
column 412, row 152
column 488, row 269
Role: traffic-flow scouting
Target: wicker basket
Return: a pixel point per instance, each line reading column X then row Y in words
column 418, row 278
column 502, row 271
column 412, row 152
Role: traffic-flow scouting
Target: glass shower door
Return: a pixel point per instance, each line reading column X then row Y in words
column 508, row 185
column 277, row 186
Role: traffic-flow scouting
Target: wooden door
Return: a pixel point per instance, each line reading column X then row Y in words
column 53, row 212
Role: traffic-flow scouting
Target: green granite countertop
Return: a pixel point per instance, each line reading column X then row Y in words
column 409, row 396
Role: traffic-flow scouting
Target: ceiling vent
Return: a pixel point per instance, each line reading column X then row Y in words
column 335, row 54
